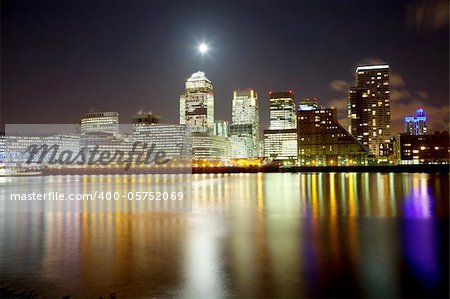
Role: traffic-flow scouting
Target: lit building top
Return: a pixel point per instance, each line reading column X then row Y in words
column 372, row 67
column 416, row 125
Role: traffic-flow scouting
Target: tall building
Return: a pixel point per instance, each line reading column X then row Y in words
column 280, row 140
column 416, row 125
column 244, row 129
column 369, row 110
column 197, row 103
column 322, row 141
column 282, row 110
column 308, row 104
column 100, row 123
column 221, row 128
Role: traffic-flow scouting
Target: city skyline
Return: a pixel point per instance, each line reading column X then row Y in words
column 42, row 65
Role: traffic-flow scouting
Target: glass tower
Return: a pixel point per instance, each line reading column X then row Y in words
column 369, row 110
column 244, row 130
column 282, row 111
column 197, row 103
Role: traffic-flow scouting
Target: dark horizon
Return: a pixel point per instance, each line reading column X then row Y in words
column 130, row 56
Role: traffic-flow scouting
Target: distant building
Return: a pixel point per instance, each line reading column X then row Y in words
column 322, row 141
column 146, row 119
column 416, row 125
column 174, row 140
column 2, row 146
column 424, row 149
column 280, row 144
column 16, row 147
column 244, row 129
column 308, row 104
column 369, row 110
column 221, row 128
column 282, row 110
column 197, row 104
column 210, row 149
column 100, row 123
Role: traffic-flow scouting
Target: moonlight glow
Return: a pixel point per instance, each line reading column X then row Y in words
column 203, row 48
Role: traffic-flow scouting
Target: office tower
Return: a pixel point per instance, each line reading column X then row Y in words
column 282, row 110
column 369, row 110
column 221, row 128
column 244, row 129
column 280, row 140
column 280, row 146
column 424, row 149
column 308, row 104
column 146, row 119
column 208, row 149
column 322, row 141
column 197, row 103
column 100, row 123
column 174, row 140
column 416, row 125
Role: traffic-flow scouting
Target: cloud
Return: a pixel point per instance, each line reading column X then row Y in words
column 340, row 85
column 397, row 95
column 143, row 111
column 396, row 81
column 428, row 15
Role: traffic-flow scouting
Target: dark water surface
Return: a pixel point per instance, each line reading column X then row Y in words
column 248, row 235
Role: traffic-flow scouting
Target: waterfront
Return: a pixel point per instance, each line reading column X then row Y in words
column 248, row 235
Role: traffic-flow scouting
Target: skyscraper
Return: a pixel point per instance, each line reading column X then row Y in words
column 280, row 141
column 197, row 113
column 244, row 129
column 197, row 103
column 416, row 125
column 369, row 110
column 282, row 110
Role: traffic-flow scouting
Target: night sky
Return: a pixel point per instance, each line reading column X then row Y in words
column 61, row 59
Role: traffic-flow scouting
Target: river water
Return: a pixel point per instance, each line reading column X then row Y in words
column 245, row 235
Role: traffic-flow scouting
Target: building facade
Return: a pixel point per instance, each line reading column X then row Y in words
column 244, row 129
column 197, row 103
column 369, row 110
column 282, row 110
column 209, row 149
column 424, row 149
column 322, row 141
column 280, row 141
column 146, row 119
column 174, row 140
column 280, row 146
column 221, row 128
column 100, row 122
column 416, row 125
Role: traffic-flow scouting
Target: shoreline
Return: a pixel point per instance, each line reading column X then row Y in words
column 427, row 168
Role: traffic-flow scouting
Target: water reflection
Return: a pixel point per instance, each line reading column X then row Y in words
column 248, row 235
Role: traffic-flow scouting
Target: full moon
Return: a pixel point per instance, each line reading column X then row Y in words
column 203, row 48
